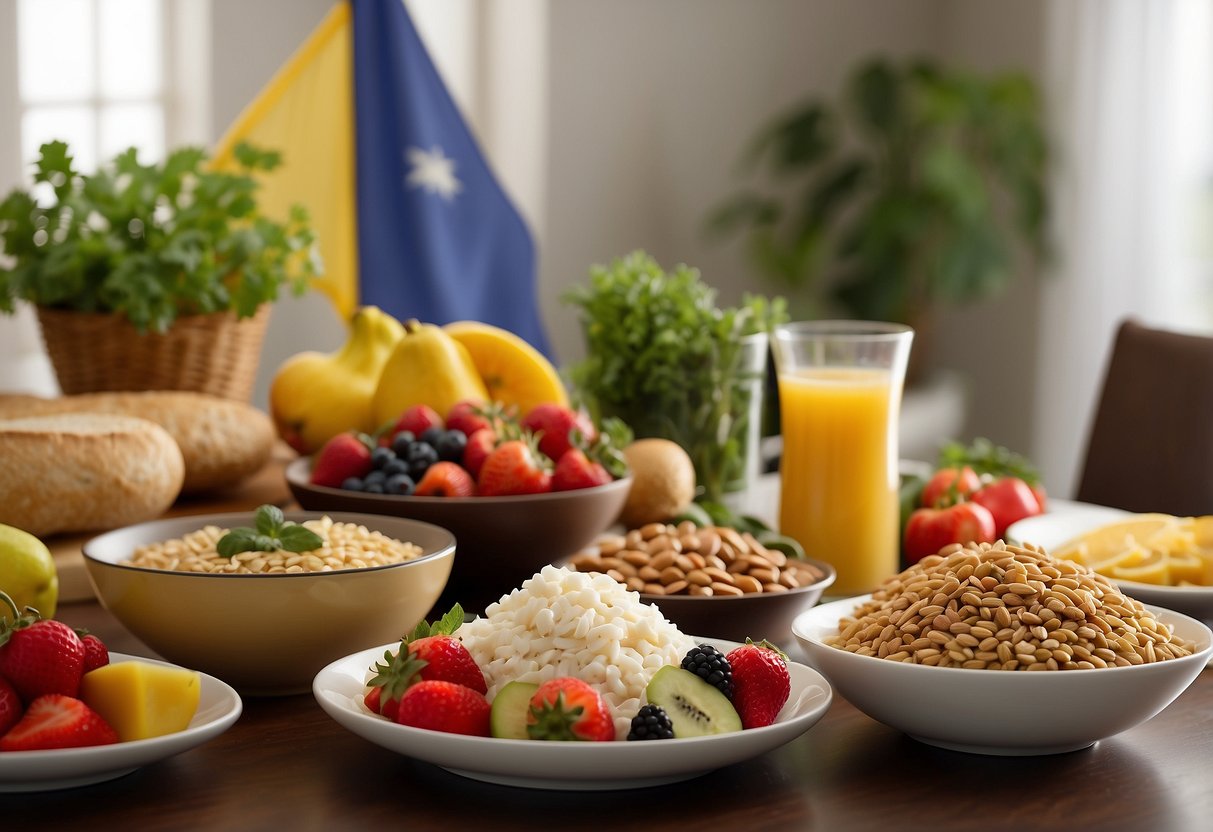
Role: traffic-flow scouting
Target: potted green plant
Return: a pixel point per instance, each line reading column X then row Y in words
column 150, row 276
column 661, row 356
column 921, row 185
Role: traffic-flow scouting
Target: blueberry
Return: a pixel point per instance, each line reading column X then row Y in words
column 373, row 488
column 381, row 456
column 399, row 484
column 421, row 452
column 395, row 466
column 450, row 446
column 373, row 478
column 402, row 441
column 431, row 435
column 352, row 484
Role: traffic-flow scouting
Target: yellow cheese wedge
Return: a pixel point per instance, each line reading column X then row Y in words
column 141, row 700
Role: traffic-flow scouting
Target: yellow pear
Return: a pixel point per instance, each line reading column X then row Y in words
column 315, row 396
column 427, row 367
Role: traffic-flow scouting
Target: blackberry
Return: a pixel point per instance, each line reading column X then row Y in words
column 450, row 446
column 651, row 723
column 709, row 664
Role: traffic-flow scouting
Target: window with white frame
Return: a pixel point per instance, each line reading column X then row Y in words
column 92, row 73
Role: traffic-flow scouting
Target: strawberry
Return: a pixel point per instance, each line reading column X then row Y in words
column 554, row 423
column 57, row 721
column 760, row 682
column 446, row 479
column 445, row 706
column 96, row 654
column 468, row 417
column 479, row 446
column 345, row 455
column 38, row 655
column 429, row 653
column 417, row 420
column 10, row 706
column 567, row 708
column 576, row 470
column 515, row 467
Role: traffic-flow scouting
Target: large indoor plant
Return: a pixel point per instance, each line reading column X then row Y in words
column 150, row 275
column 920, row 185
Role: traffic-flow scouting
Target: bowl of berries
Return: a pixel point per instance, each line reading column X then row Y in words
column 516, row 493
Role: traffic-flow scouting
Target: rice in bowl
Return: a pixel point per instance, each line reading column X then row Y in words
column 587, row 625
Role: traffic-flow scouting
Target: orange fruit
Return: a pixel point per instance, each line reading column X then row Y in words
column 514, row 372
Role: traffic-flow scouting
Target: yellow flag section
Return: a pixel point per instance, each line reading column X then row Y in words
column 307, row 113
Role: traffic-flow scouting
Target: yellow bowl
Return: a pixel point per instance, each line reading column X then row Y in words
column 267, row 634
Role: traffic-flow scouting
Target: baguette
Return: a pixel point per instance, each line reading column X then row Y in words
column 82, row 472
column 222, row 441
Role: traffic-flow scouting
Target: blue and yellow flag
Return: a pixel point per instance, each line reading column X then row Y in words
column 408, row 215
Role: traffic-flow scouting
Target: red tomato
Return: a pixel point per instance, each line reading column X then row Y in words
column 1041, row 496
column 1009, row 500
column 948, row 485
column 930, row 529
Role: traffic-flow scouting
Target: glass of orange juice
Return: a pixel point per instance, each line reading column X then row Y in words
column 840, row 386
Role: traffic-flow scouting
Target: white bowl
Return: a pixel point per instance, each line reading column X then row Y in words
column 1070, row 520
column 1001, row 712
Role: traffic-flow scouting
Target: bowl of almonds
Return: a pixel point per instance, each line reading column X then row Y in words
column 714, row 581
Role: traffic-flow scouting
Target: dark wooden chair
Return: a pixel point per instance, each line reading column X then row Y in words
column 1151, row 442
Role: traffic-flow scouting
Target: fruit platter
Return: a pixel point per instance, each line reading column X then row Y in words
column 72, row 713
column 663, row 708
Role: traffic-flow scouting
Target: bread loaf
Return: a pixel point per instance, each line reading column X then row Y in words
column 85, row 472
column 222, row 441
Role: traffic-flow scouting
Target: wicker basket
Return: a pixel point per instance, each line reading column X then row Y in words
column 215, row 354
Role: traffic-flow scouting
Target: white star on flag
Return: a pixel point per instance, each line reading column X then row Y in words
column 433, row 171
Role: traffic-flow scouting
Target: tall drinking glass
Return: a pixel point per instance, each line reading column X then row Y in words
column 840, row 386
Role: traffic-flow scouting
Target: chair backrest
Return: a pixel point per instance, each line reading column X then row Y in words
column 1151, row 443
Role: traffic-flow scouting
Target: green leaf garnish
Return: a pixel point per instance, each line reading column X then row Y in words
column 273, row 531
column 445, row 626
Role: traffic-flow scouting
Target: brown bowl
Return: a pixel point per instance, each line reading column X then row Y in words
column 764, row 615
column 267, row 634
column 502, row 541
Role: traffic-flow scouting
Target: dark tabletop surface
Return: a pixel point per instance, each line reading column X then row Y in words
column 285, row 763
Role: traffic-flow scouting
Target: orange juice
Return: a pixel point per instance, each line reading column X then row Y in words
column 839, row 471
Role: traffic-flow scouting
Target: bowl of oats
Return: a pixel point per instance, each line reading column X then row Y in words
column 264, row 600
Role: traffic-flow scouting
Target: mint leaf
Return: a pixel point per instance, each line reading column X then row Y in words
column 296, row 538
column 269, row 520
column 445, row 626
column 235, row 542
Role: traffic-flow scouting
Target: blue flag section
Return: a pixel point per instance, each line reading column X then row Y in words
column 438, row 239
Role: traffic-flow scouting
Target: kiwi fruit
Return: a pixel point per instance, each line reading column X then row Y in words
column 695, row 708
column 507, row 719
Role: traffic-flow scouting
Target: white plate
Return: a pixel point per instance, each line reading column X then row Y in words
column 1070, row 520
column 33, row 771
column 567, row 765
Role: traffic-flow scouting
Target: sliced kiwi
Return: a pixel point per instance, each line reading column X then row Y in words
column 507, row 720
column 695, row 708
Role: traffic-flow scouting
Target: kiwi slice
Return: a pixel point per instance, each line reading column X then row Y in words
column 507, row 720
column 695, row 708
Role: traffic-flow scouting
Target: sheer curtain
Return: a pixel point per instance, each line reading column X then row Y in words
column 1131, row 86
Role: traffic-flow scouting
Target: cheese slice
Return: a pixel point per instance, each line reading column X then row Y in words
column 142, row 700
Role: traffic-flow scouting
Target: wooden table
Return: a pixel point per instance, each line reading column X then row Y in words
column 286, row 764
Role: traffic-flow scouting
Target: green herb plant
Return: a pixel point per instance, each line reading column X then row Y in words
column 662, row 357
column 150, row 242
column 273, row 532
